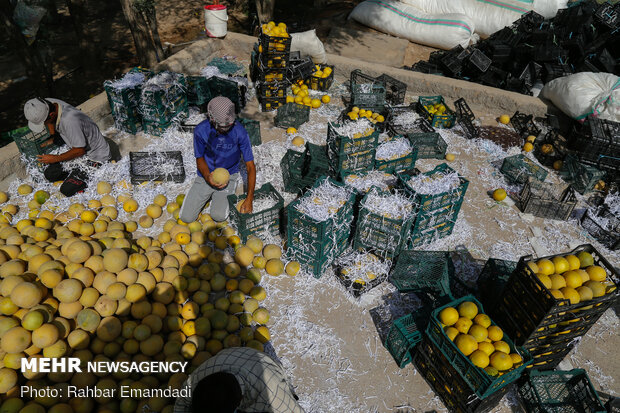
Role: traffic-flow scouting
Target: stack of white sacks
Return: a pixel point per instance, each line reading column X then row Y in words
column 444, row 24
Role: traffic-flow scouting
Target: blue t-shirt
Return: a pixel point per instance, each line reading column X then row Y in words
column 222, row 151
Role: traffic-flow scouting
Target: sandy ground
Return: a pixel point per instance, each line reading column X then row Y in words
column 326, row 339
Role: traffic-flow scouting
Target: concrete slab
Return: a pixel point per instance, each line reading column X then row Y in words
column 368, row 46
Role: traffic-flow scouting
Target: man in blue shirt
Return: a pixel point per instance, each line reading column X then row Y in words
column 219, row 142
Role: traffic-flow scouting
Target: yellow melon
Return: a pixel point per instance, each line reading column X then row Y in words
column 103, row 188
column 115, row 260
column 274, row 267
column 45, row 336
column 255, row 244
column 220, row 176
column 109, row 328
column 272, row 251
column 15, row 340
column 244, row 256
column 26, row 295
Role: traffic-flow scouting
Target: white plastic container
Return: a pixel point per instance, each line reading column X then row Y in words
column 216, row 20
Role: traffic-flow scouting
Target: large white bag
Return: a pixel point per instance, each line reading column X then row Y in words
column 586, row 93
column 443, row 31
column 488, row 16
column 309, row 44
column 546, row 8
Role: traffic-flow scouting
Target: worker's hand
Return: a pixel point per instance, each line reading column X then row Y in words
column 47, row 159
column 246, row 207
column 213, row 184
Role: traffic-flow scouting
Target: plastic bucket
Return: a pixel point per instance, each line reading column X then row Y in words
column 216, row 20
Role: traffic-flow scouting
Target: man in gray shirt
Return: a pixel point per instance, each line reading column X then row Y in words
column 77, row 130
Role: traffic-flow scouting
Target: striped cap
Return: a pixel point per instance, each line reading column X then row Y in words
column 221, row 111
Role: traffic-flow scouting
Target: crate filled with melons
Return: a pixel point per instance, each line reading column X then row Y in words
column 484, row 356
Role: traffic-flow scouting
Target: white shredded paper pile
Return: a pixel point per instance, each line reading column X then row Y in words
column 129, row 80
column 434, row 184
column 405, row 118
column 350, row 129
column 394, row 206
column 364, row 181
column 363, row 266
column 394, row 149
column 324, row 201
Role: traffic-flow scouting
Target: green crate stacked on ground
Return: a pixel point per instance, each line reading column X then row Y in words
column 124, row 98
column 492, row 280
column 350, row 154
column 257, row 222
column 448, row 383
column 580, row 176
column 546, row 200
column 316, row 162
column 316, row 244
column 424, row 272
column 401, row 164
column 366, row 91
column 253, row 128
column 384, row 236
column 546, row 326
column 404, row 335
column 430, row 145
column 518, row 168
column 321, row 83
column 292, row 165
column 436, row 213
column 227, row 87
column 198, row 91
column 32, row 144
column 292, row 115
column 566, row 391
column 163, row 100
column 481, row 383
column 446, row 119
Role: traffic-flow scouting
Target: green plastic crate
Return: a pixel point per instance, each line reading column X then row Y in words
column 559, row 391
column 198, row 91
column 400, row 164
column 163, row 113
column 292, row 171
column 253, row 128
column 445, row 120
column 316, row 240
column 482, row 384
column 344, row 145
column 518, row 168
column 492, row 279
column 227, row 88
column 292, row 115
column 402, row 338
column 382, row 235
column 257, row 222
column 423, row 272
column 32, row 144
column 366, row 92
column 431, row 203
column 316, row 263
column 581, row 177
column 420, row 236
column 430, row 145
column 344, row 165
column 316, row 162
column 131, row 125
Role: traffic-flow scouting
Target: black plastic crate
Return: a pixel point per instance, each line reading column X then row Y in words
column 555, row 70
column 524, row 124
column 500, row 52
column 507, row 36
column 274, row 44
column 550, row 148
column 528, row 22
column 419, row 125
column 395, row 90
column 465, row 118
column 605, row 61
column 272, row 90
column 445, row 380
column 603, row 226
column 608, row 15
column 321, row 83
column 478, row 62
column 300, row 70
column 546, row 200
column 605, row 132
column 366, row 91
column 494, row 77
column 543, row 391
column 263, row 74
column 271, row 104
column 156, row 166
column 426, row 67
column 492, row 279
column 530, row 314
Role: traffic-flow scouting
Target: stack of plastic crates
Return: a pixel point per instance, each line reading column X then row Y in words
column 436, row 213
column 354, row 153
column 163, row 101
column 124, row 98
column 316, row 243
column 367, row 92
column 547, row 326
column 382, row 234
column 198, row 91
column 597, row 143
column 270, row 63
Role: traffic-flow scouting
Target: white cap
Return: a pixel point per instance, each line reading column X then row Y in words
column 36, row 112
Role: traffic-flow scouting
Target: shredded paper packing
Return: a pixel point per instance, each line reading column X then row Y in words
column 394, row 149
column 364, row 181
column 434, row 184
column 128, row 81
column 393, row 206
column 354, row 130
column 324, row 201
column 365, row 267
column 405, row 118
